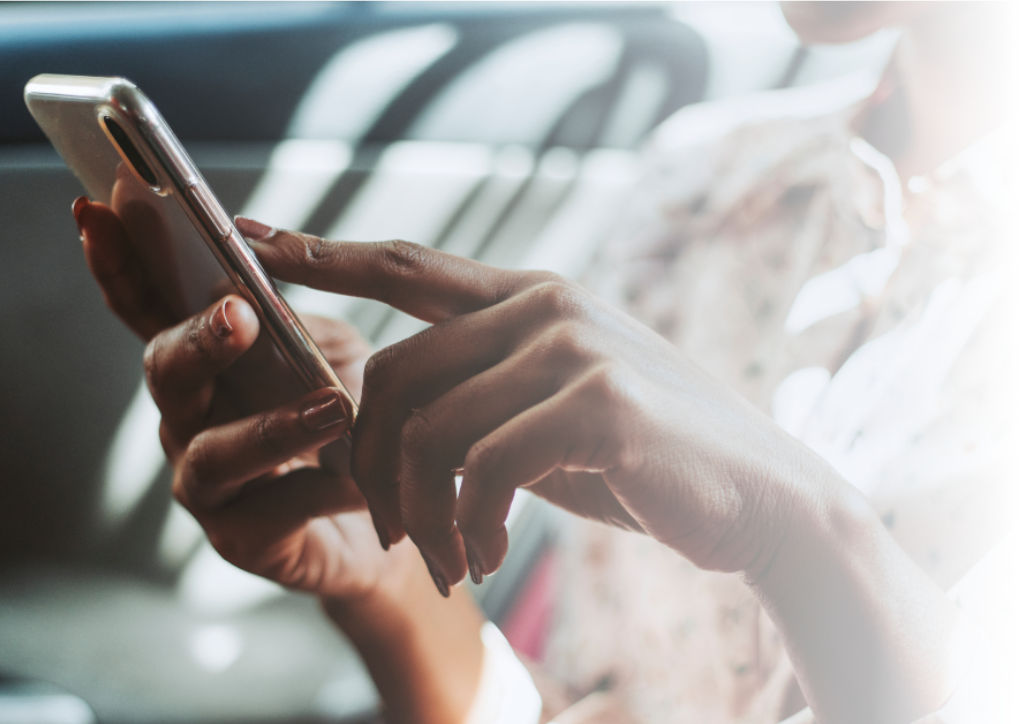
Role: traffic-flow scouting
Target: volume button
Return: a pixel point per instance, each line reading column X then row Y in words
column 208, row 208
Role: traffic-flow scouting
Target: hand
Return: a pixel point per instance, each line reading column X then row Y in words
column 271, row 506
column 255, row 484
column 525, row 379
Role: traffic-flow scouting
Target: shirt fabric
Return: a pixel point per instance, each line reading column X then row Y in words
column 506, row 694
column 873, row 322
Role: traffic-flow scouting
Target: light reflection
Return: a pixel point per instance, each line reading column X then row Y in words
column 587, row 215
column 346, row 694
column 355, row 86
column 299, row 174
column 43, row 708
column 414, row 191
column 518, row 92
column 134, row 459
column 211, row 586
column 215, row 647
column 181, row 534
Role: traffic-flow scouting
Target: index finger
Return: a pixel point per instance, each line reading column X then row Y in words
column 425, row 283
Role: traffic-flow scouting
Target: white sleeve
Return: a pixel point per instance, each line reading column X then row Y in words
column 506, row 694
column 981, row 696
column 985, row 692
column 989, row 596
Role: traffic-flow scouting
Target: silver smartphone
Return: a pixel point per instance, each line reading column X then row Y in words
column 119, row 146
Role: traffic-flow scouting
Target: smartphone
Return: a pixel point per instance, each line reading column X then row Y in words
column 121, row 149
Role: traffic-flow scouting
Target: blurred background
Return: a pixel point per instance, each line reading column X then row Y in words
column 507, row 132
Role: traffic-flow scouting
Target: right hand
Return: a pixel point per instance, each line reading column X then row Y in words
column 525, row 379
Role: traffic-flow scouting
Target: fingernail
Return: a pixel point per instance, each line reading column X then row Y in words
column 77, row 207
column 476, row 569
column 383, row 536
column 439, row 578
column 440, row 583
column 324, row 413
column 219, row 322
column 251, row 229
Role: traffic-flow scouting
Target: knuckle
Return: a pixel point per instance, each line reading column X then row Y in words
column 569, row 342
column 404, row 258
column 197, row 462
column 378, row 369
column 482, row 459
column 229, row 548
column 417, row 436
column 172, row 446
column 611, row 384
column 152, row 366
column 537, row 277
column 293, row 573
column 316, row 251
column 309, row 256
column 560, row 300
column 195, row 339
column 180, row 492
column 287, row 566
column 264, row 433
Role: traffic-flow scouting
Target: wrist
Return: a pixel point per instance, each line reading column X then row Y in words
column 869, row 635
column 423, row 652
column 373, row 614
column 822, row 520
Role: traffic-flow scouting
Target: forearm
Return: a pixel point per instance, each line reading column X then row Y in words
column 423, row 652
column 871, row 637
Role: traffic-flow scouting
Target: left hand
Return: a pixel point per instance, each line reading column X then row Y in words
column 271, row 506
column 255, row 484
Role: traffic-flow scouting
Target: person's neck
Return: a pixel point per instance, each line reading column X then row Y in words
column 949, row 82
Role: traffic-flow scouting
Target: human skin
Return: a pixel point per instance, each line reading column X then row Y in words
column 526, row 380
column 953, row 64
column 257, row 488
column 869, row 635
column 844, row 22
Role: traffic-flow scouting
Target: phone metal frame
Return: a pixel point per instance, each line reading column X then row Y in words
column 177, row 175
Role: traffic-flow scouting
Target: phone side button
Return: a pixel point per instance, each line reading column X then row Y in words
column 209, row 210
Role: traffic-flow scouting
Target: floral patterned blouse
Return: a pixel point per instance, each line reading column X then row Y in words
column 872, row 321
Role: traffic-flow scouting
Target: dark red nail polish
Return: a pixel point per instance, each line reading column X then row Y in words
column 383, row 536
column 324, row 413
column 251, row 229
column 77, row 207
column 440, row 583
column 439, row 578
column 476, row 570
column 219, row 322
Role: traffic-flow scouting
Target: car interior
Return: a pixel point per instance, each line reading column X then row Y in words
column 504, row 132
